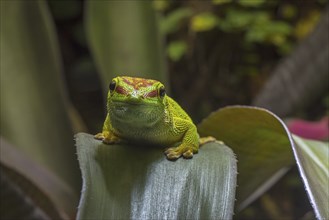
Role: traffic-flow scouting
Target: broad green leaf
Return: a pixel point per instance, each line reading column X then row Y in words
column 135, row 182
column 261, row 142
column 312, row 158
column 203, row 22
column 176, row 50
column 34, row 105
column 124, row 39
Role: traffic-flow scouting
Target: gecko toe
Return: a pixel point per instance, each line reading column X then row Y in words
column 99, row 136
column 172, row 153
column 188, row 154
column 173, row 156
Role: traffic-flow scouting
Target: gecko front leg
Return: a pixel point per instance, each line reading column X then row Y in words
column 190, row 140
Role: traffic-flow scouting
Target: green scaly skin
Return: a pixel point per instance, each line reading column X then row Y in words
column 140, row 111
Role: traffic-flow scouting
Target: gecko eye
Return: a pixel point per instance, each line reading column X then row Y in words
column 112, row 86
column 162, row 92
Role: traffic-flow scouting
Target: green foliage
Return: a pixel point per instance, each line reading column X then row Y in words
column 122, row 182
column 237, row 19
column 176, row 50
column 251, row 3
column 203, row 22
column 289, row 11
column 274, row 32
column 258, row 26
column 254, row 22
column 172, row 22
column 219, row 2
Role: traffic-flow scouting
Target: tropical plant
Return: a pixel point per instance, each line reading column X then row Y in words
column 39, row 174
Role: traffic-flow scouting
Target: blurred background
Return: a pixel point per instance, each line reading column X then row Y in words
column 57, row 59
column 216, row 53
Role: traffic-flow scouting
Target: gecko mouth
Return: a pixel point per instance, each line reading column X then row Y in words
column 129, row 102
column 138, row 113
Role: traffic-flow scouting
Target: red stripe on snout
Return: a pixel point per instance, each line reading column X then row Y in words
column 121, row 90
column 151, row 94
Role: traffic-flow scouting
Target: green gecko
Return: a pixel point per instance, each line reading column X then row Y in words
column 140, row 111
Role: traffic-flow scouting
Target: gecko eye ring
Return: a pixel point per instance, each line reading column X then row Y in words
column 162, row 92
column 112, row 86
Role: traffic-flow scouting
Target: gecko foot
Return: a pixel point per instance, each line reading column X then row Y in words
column 173, row 153
column 99, row 136
column 107, row 138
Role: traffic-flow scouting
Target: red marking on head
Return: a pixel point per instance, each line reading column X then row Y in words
column 121, row 90
column 152, row 94
column 138, row 82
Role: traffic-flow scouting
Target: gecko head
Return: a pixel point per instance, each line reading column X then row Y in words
column 135, row 91
column 136, row 99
